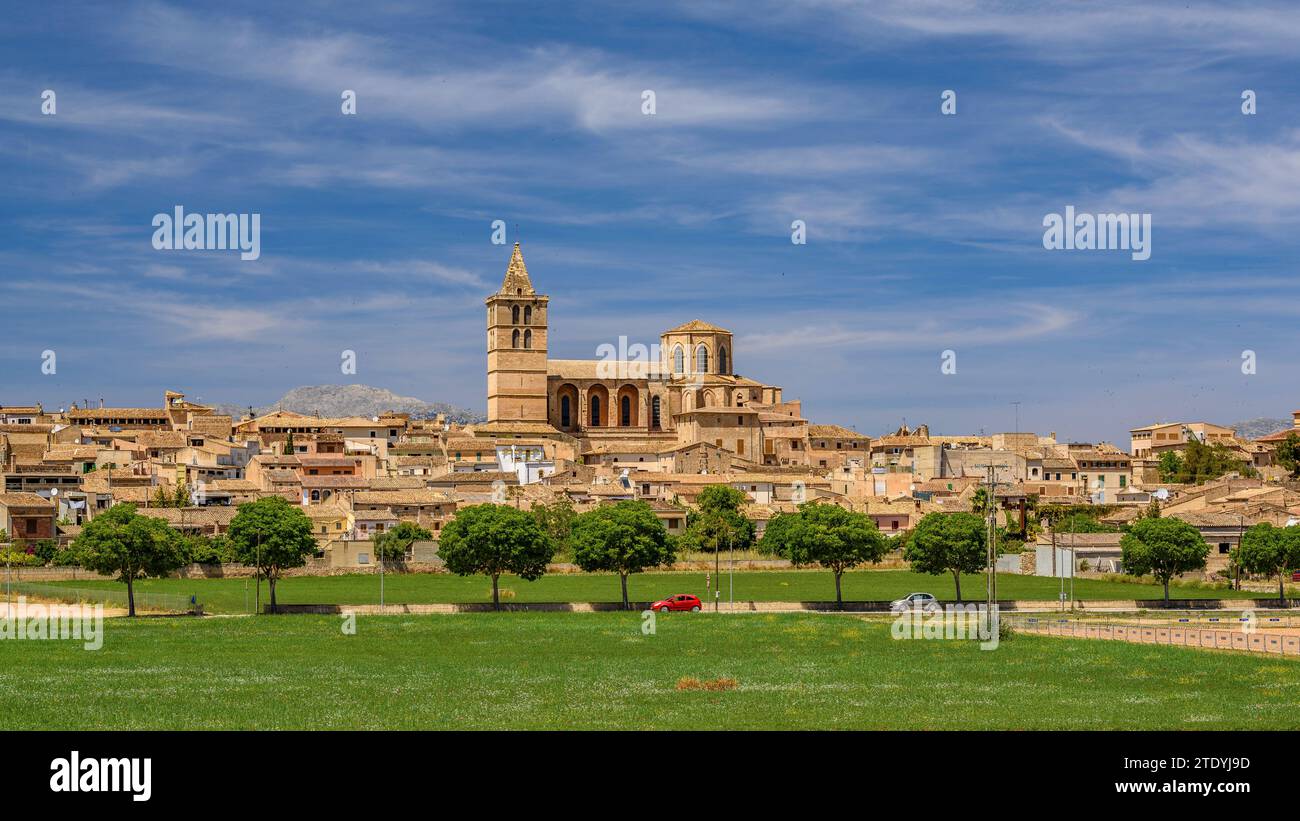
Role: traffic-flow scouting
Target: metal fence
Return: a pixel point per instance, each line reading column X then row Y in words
column 144, row 600
column 1238, row 633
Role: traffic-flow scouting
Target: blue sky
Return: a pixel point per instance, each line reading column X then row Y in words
column 924, row 230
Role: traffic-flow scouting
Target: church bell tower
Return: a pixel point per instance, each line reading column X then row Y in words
column 516, row 339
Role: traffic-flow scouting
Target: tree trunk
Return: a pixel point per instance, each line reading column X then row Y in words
column 839, row 599
column 625, row 603
column 956, row 577
column 496, row 595
column 1281, row 589
column 1166, row 592
column 271, row 581
column 130, row 596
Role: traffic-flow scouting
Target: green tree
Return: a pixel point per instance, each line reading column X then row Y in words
column 161, row 498
column 622, row 538
column 717, row 523
column 181, row 496
column 1288, row 454
column 1163, row 548
column 122, row 541
column 209, row 549
column 289, row 447
column 829, row 536
column 393, row 544
column 1083, row 523
column 494, row 539
column 1152, row 510
column 953, row 543
column 272, row 535
column 981, row 502
column 1171, row 467
column 1270, row 551
column 777, row 533
column 45, row 550
column 556, row 520
column 1199, row 463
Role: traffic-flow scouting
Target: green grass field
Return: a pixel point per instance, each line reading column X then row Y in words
column 598, row 671
column 237, row 595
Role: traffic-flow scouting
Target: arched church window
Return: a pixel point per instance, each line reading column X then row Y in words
column 722, row 360
column 595, row 411
column 528, row 338
column 701, row 359
column 528, row 314
column 625, row 411
column 514, row 315
column 514, row 338
column 564, row 411
column 679, row 360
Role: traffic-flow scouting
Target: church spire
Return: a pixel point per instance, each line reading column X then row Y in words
column 517, row 281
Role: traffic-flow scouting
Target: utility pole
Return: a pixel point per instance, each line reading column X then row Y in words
column 717, row 572
column 731, row 587
column 992, row 533
column 257, row 606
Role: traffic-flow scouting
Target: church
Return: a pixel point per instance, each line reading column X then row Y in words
column 690, row 394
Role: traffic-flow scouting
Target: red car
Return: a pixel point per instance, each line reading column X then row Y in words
column 684, row 601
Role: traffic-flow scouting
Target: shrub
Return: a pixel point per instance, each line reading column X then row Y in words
column 45, row 550
column 19, row 557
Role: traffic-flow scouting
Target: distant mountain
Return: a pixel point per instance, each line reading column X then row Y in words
column 355, row 400
column 1262, row 426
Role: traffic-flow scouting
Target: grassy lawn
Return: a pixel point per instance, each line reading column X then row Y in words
column 237, row 595
column 595, row 671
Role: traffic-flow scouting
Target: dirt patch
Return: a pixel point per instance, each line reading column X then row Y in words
column 712, row 685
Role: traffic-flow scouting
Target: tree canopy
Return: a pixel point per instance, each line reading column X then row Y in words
column 826, row 535
column 621, row 538
column 272, row 535
column 493, row 539
column 1199, row 463
column 717, row 523
column 1288, row 454
column 122, row 541
column 556, row 520
column 393, row 544
column 953, row 543
column 1163, row 548
column 1270, row 551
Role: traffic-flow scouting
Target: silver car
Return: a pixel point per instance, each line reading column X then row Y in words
column 917, row 601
